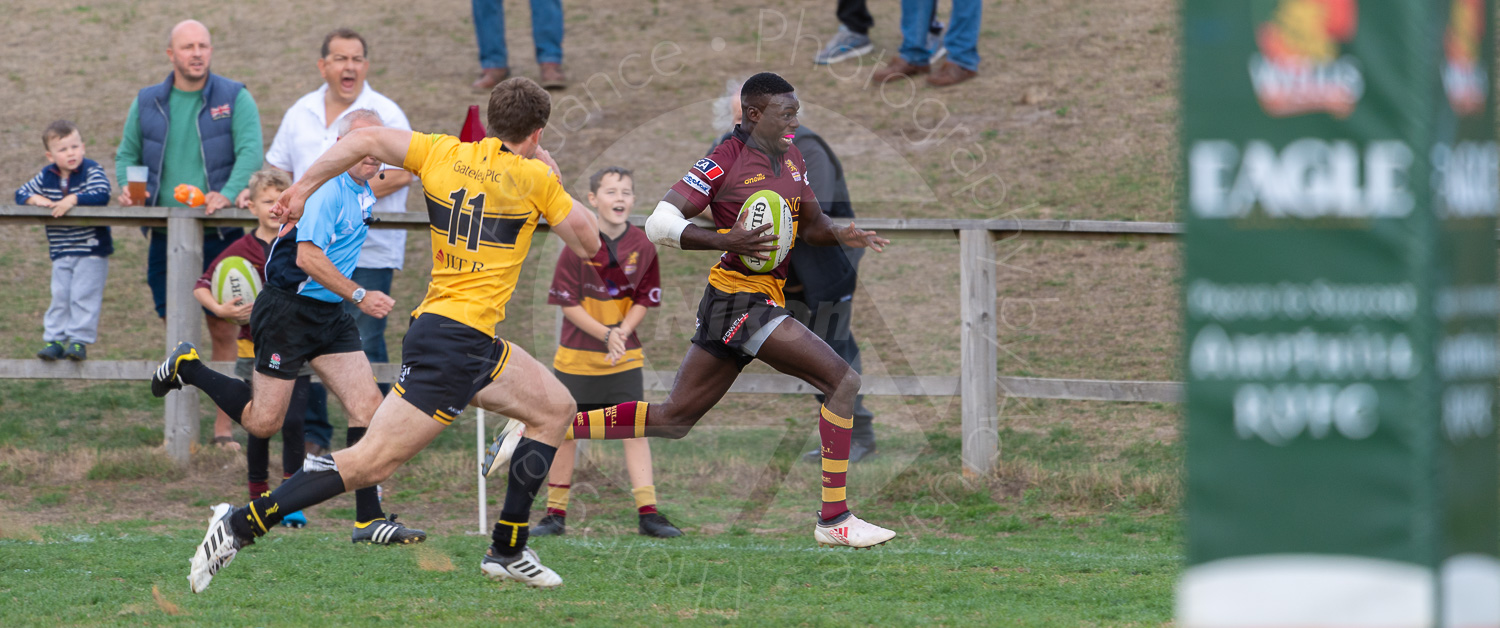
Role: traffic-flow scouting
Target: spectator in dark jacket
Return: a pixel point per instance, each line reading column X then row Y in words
column 80, row 255
column 820, row 288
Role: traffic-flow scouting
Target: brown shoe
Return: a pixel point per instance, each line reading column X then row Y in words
column 897, row 67
column 490, row 78
column 950, row 74
column 552, row 76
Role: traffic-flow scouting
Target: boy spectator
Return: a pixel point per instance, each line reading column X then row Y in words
column 599, row 357
column 265, row 186
column 80, row 255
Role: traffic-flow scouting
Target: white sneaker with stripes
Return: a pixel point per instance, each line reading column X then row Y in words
column 218, row 548
column 526, row 568
column 851, row 532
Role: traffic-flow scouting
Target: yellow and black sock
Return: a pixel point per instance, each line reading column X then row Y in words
column 309, row 487
column 528, row 471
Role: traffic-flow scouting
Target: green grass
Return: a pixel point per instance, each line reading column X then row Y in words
column 1013, row 572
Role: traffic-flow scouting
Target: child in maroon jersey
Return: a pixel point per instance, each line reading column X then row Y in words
column 264, row 187
column 599, row 357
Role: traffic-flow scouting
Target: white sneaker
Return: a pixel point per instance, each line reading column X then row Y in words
column 526, row 568
column 851, row 532
column 498, row 454
column 218, row 548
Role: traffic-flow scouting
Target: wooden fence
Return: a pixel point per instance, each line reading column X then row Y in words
column 978, row 384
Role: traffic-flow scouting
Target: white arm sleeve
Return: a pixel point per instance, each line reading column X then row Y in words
column 665, row 225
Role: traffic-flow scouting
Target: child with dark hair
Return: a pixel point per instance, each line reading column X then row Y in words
column 80, row 255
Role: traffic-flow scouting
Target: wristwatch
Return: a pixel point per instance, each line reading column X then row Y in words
column 359, row 295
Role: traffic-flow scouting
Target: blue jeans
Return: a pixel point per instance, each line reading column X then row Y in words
column 214, row 242
column 546, row 32
column 371, row 333
column 961, row 38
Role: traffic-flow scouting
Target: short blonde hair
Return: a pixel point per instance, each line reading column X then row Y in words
column 269, row 177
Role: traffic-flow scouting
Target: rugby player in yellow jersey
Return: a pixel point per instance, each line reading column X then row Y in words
column 742, row 316
column 483, row 200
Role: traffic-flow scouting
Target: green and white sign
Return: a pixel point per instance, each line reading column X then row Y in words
column 1340, row 307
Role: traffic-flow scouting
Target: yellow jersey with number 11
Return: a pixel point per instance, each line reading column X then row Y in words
column 483, row 203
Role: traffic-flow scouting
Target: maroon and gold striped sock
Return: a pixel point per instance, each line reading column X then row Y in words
column 645, row 499
column 627, row 420
column 835, row 433
column 557, row 499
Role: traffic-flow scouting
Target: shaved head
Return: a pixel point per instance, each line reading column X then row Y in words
column 190, row 51
column 187, row 28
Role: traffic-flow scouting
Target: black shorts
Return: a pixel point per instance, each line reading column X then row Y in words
column 444, row 363
column 289, row 330
column 596, row 392
column 727, row 320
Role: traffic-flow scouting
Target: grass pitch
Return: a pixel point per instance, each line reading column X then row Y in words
column 1048, row 573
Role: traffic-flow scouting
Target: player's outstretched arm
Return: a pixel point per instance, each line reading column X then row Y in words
column 384, row 143
column 818, row 230
column 669, row 226
column 579, row 231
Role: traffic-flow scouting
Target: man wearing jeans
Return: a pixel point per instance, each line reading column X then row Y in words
column 961, row 41
column 546, row 31
column 308, row 129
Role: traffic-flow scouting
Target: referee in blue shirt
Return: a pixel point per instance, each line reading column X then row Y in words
column 299, row 319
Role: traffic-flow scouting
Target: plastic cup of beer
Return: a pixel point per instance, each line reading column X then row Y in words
column 135, row 177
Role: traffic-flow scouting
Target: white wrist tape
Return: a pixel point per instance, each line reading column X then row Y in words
column 665, row 225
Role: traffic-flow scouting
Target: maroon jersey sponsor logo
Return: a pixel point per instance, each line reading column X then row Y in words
column 709, row 168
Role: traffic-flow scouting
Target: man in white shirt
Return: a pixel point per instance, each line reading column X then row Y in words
column 308, row 129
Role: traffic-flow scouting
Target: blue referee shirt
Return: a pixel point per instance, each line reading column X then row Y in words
column 334, row 220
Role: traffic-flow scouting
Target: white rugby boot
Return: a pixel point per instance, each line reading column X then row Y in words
column 219, row 546
column 525, row 568
column 851, row 532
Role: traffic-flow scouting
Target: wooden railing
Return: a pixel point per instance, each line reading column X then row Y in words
column 978, row 384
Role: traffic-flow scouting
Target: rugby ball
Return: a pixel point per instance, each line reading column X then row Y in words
column 768, row 208
column 235, row 278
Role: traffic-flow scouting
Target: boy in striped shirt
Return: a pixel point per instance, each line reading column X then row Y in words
column 80, row 255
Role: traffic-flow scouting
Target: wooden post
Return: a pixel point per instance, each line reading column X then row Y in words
column 184, row 320
column 978, row 350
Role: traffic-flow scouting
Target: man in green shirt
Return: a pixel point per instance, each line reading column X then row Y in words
column 201, row 129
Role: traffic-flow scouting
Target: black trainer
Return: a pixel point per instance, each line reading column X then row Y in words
column 387, row 532
column 76, row 352
column 52, row 352
column 654, row 524
column 165, row 379
column 550, row 525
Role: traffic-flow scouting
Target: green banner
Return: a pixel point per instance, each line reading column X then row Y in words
column 1340, row 310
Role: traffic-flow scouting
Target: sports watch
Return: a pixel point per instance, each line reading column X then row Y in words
column 358, row 296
